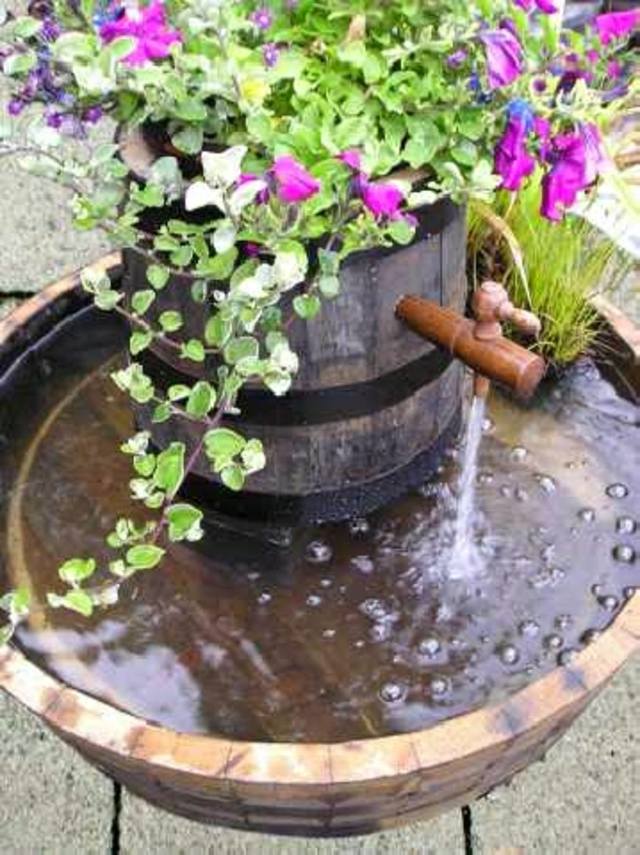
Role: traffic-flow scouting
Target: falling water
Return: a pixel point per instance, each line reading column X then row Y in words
column 465, row 557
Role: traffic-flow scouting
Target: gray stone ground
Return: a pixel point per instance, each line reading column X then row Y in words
column 581, row 801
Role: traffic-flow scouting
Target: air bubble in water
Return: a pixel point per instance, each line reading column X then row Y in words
column 359, row 526
column 318, row 552
column 553, row 641
column 328, row 633
column 439, row 686
column 567, row 656
column 393, row 693
column 529, row 628
column 563, row 621
column 617, row 491
column 326, row 583
column 626, row 525
column 521, row 495
column 429, row 647
column 587, row 515
column 314, row 600
column 624, row 554
column 485, row 478
column 505, row 491
column 264, row 598
column 487, row 425
column 590, row 636
column 629, row 591
column 518, row 453
column 508, row 654
column 546, row 483
column 363, row 564
column 374, row 609
column 609, row 602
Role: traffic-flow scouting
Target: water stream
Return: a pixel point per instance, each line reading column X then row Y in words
column 466, row 559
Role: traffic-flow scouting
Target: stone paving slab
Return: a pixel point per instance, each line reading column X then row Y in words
column 37, row 242
column 145, row 829
column 51, row 801
column 584, row 798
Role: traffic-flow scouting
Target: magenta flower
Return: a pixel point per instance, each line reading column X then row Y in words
column 383, row 200
column 616, row 25
column 246, row 178
column 294, row 183
column 512, row 160
column 351, row 158
column 546, row 6
column 577, row 159
column 504, row 57
column 147, row 25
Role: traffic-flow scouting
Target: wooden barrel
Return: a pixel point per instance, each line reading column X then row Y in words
column 373, row 405
column 326, row 790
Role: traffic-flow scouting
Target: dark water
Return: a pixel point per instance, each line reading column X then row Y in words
column 334, row 632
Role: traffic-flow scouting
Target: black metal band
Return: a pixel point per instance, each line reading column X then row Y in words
column 301, row 407
column 330, row 506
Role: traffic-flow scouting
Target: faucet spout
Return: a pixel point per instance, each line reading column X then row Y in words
column 479, row 343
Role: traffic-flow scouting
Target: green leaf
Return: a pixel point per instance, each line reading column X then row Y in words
column 139, row 341
column 157, row 276
column 77, row 570
column 142, row 300
column 170, row 321
column 189, row 139
column 170, row 467
column 178, row 392
column 144, row 464
column 25, row 27
column 223, row 442
column 220, row 266
column 233, row 477
column 253, row 457
column 193, row 350
column 329, row 286
column 241, row 348
column 217, row 331
column 6, row 634
column 144, row 556
column 76, row 600
column 19, row 63
column 402, row 232
column 162, row 413
column 306, row 306
column 201, row 400
column 184, row 522
column 107, row 300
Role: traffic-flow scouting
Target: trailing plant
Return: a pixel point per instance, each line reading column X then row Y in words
column 296, row 115
column 553, row 268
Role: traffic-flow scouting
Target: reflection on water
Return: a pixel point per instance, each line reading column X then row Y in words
column 332, row 632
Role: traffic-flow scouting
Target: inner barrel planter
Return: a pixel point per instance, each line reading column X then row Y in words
column 373, row 405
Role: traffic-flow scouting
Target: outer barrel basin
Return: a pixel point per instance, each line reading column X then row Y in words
column 330, row 789
column 373, row 404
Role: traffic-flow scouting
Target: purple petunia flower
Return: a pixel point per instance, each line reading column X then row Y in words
column 512, row 161
column 616, row 25
column 294, row 183
column 383, row 200
column 504, row 57
column 270, row 54
column 577, row 159
column 262, row 18
column 546, row 6
column 351, row 157
column 147, row 25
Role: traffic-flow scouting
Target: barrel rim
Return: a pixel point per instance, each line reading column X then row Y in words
column 83, row 719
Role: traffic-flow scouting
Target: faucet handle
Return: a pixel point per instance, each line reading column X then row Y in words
column 527, row 322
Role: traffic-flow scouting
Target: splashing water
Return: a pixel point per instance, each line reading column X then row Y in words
column 466, row 560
